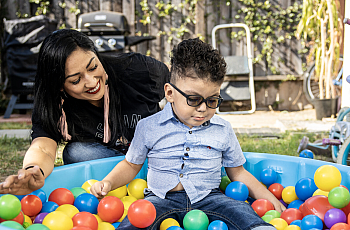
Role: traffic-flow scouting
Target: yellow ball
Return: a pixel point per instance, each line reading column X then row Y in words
column 123, row 216
column 136, row 187
column 327, row 177
column 320, row 192
column 167, row 223
column 127, row 201
column 58, row 220
column 105, row 226
column 87, row 184
column 289, row 195
column 279, row 223
column 293, row 227
column 27, row 219
column 119, row 192
column 98, row 218
column 69, row 209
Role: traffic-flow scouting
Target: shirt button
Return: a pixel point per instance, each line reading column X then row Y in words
column 190, row 132
column 188, row 149
column 182, row 166
column 181, row 175
column 186, row 154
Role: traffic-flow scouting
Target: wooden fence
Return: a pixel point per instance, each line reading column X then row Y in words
column 206, row 15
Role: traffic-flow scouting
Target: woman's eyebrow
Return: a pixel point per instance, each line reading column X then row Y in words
column 90, row 62
column 79, row 72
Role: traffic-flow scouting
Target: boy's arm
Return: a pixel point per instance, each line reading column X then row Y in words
column 123, row 173
column 256, row 189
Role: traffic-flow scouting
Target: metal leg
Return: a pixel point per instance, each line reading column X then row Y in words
column 10, row 106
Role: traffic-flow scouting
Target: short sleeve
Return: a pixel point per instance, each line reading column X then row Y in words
column 233, row 155
column 138, row 150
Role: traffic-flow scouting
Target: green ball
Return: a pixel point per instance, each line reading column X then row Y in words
column 224, row 182
column 37, row 227
column 196, row 220
column 339, row 197
column 77, row 191
column 273, row 213
column 267, row 218
column 12, row 224
column 10, row 207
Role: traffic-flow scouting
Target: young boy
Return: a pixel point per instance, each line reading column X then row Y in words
column 186, row 145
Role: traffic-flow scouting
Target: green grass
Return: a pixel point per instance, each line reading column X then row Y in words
column 15, row 125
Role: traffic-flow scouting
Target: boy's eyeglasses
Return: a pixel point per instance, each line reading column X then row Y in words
column 196, row 100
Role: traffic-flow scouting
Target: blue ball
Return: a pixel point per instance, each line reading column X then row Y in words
column 305, row 188
column 174, row 228
column 295, row 204
column 86, row 202
column 237, row 190
column 116, row 224
column 296, row 222
column 268, row 176
column 306, row 153
column 49, row 206
column 217, row 225
column 41, row 194
column 310, row 222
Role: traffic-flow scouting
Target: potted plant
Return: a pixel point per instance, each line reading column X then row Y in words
column 320, row 29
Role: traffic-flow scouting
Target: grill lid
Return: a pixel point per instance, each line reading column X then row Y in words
column 103, row 23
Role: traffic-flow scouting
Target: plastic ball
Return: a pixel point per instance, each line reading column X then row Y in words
column 304, row 188
column 141, row 213
column 237, row 190
column 19, row 218
column 196, row 220
column 334, row 216
column 268, row 176
column 267, row 218
column 61, row 196
column 12, row 225
column 175, row 228
column 110, row 209
column 10, row 206
column 276, row 189
column 119, row 192
column 292, row 227
column 340, row 226
column 87, row 184
column 327, row 177
column 168, row 223
column 320, row 192
column 99, row 220
column 261, row 206
column 127, row 201
column 296, row 222
column 306, row 153
column 295, row 204
column 80, row 228
column 86, row 202
column 69, row 209
column 316, row 205
column 116, row 224
column 217, row 225
column 311, row 221
column 37, row 227
column 85, row 219
column 291, row 214
column 28, row 220
column 339, row 197
column 40, row 217
column 225, row 180
column 31, row 205
column 136, row 187
column 41, row 194
column 105, row 226
column 279, row 223
column 273, row 213
column 58, row 220
column 49, row 206
column 77, row 191
column 289, row 195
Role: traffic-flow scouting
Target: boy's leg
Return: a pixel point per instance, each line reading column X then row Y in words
column 83, row 151
column 236, row 214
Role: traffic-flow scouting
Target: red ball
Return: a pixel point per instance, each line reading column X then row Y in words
column 316, row 205
column 340, row 226
column 62, row 196
column 141, row 213
column 276, row 189
column 80, row 228
column 31, row 205
column 85, row 219
column 261, row 206
column 19, row 218
column 110, row 209
column 346, row 209
column 291, row 214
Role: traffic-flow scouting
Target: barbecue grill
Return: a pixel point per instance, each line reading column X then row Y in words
column 109, row 31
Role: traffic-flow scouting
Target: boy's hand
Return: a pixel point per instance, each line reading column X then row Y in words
column 25, row 182
column 100, row 188
column 279, row 207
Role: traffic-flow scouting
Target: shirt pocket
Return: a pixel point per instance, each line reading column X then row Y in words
column 211, row 148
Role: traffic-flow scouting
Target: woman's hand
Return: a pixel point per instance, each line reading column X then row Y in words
column 25, row 182
column 100, row 188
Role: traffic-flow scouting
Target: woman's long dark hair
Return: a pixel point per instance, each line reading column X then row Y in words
column 50, row 78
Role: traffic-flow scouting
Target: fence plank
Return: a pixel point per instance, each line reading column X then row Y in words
column 225, row 44
column 154, row 30
column 141, row 30
column 200, row 20
column 129, row 13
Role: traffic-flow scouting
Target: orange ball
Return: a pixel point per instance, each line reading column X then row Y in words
column 276, row 189
column 110, row 209
column 31, row 205
column 61, row 196
column 261, row 206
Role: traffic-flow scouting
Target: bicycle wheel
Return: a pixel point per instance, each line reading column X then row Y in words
column 344, row 152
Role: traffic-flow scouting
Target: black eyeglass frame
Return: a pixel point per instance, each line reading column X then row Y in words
column 220, row 99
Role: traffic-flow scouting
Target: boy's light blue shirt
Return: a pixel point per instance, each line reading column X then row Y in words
column 177, row 153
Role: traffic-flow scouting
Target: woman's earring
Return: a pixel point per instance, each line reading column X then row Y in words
column 64, row 94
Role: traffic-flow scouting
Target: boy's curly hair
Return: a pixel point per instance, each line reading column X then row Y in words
column 195, row 55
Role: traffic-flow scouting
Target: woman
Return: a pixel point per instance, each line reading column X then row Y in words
column 92, row 102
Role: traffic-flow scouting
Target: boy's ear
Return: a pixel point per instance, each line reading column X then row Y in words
column 169, row 92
